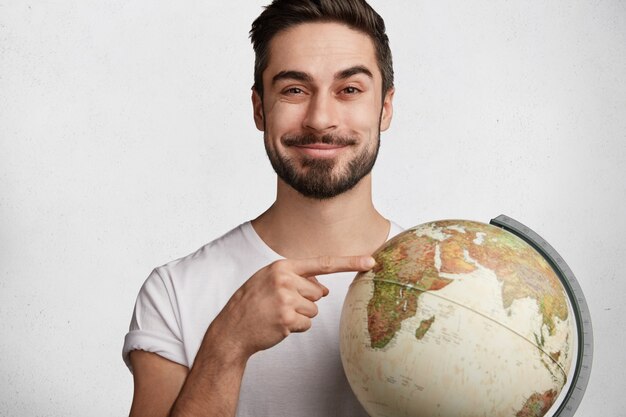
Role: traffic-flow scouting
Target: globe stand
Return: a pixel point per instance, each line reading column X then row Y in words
column 582, row 370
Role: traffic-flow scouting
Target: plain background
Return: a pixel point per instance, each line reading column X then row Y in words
column 127, row 141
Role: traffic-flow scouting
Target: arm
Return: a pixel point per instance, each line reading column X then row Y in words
column 213, row 384
column 157, row 383
column 277, row 300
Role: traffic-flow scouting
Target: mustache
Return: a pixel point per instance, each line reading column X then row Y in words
column 309, row 139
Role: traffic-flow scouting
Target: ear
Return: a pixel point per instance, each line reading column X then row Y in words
column 257, row 109
column 387, row 111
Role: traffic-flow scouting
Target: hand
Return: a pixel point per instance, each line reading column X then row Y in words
column 277, row 300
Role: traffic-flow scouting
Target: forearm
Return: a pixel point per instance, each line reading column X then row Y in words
column 277, row 300
column 212, row 386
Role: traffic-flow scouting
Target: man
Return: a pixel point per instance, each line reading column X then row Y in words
column 211, row 334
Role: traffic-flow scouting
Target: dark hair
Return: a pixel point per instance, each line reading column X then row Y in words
column 283, row 14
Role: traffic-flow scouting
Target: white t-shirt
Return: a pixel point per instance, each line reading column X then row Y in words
column 300, row 376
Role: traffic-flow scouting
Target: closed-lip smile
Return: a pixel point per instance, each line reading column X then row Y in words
column 320, row 150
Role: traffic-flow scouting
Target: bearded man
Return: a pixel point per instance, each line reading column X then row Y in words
column 243, row 326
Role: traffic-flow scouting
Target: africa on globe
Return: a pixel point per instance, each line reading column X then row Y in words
column 457, row 319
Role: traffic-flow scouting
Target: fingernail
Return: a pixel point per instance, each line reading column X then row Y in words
column 369, row 262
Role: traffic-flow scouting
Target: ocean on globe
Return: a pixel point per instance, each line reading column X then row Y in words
column 457, row 319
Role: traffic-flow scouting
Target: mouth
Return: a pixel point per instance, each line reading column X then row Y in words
column 320, row 150
column 325, row 147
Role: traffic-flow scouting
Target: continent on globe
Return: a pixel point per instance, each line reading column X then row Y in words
column 402, row 272
column 469, row 317
column 423, row 327
column 538, row 404
column 407, row 268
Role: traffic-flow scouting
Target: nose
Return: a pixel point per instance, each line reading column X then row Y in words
column 321, row 115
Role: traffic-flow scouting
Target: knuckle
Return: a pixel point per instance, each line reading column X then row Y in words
column 278, row 281
column 287, row 317
column 306, row 325
column 278, row 266
column 354, row 262
column 317, row 293
column 284, row 298
column 314, row 310
column 313, row 296
column 326, row 263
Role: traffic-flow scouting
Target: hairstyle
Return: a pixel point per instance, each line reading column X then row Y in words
column 283, row 14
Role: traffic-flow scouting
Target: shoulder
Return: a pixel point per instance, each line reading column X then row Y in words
column 238, row 249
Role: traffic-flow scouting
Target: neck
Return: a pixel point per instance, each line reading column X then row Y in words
column 299, row 227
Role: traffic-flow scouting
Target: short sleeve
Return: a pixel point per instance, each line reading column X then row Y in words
column 155, row 325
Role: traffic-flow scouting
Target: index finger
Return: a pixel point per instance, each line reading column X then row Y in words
column 330, row 264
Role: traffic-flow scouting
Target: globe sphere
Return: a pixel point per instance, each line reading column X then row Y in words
column 457, row 319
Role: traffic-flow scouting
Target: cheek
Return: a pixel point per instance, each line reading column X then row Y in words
column 284, row 118
column 362, row 118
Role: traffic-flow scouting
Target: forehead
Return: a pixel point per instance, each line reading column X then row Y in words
column 320, row 49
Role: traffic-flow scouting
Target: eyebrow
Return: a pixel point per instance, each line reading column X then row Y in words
column 292, row 75
column 304, row 77
column 349, row 72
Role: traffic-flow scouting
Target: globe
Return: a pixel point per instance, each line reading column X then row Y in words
column 458, row 319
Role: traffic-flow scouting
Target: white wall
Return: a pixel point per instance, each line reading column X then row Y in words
column 127, row 141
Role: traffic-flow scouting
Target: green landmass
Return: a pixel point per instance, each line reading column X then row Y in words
column 522, row 271
column 537, row 405
column 424, row 326
column 406, row 268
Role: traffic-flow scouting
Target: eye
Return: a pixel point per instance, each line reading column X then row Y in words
column 350, row 90
column 293, row 91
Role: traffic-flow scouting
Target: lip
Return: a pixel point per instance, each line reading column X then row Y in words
column 321, row 150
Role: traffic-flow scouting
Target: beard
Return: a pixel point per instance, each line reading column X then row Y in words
column 316, row 177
